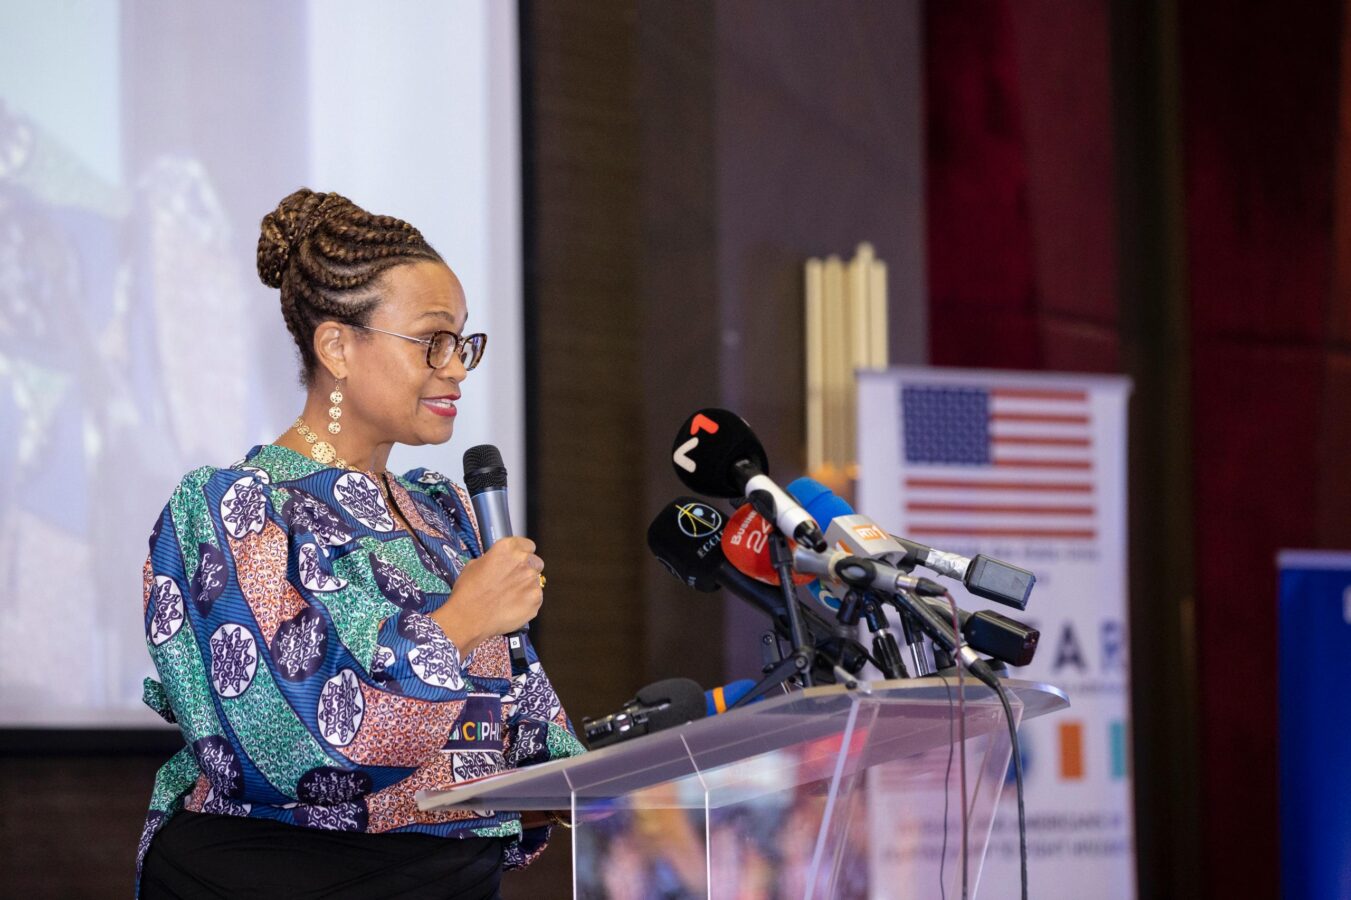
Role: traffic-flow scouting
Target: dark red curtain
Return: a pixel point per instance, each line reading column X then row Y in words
column 1023, row 273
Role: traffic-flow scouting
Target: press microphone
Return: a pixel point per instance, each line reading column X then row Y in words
column 721, row 699
column 984, row 576
column 486, row 478
column 716, row 453
column 665, row 704
column 686, row 538
column 745, row 543
column 863, row 572
column 846, row 530
column 992, row 633
column 741, row 544
column 862, row 537
column 867, row 574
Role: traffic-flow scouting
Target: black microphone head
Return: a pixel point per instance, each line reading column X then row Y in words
column 686, row 537
column 708, row 449
column 999, row 581
column 483, row 469
column 1003, row 638
column 682, row 698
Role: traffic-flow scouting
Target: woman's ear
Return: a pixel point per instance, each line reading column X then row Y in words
column 330, row 347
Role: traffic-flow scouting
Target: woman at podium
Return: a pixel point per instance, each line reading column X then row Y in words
column 329, row 635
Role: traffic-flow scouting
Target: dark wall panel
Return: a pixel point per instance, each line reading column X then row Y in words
column 751, row 138
column 681, row 332
column 819, row 147
column 580, row 141
column 69, row 825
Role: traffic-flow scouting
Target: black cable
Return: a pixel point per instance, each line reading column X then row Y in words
column 947, row 786
column 1018, row 777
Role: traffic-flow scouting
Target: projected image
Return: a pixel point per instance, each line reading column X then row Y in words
column 107, row 382
column 136, row 341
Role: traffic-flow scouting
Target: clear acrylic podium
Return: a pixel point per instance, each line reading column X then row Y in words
column 768, row 800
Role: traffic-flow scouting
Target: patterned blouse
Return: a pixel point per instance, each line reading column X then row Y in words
column 286, row 611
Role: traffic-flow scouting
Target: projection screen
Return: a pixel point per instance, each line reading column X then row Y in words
column 140, row 144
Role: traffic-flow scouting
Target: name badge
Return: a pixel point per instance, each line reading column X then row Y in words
column 479, row 726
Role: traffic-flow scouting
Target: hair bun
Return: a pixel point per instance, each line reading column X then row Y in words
column 285, row 229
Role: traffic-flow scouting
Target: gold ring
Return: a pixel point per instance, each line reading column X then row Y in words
column 542, row 582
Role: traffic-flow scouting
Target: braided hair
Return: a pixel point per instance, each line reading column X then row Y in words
column 326, row 254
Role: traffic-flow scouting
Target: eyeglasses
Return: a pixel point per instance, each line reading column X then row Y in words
column 443, row 345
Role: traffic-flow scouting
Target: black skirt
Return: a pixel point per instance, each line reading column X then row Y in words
column 204, row 855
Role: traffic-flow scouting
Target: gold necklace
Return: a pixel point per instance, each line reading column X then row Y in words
column 322, row 451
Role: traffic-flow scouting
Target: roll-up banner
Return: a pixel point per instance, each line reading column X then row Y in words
column 1029, row 468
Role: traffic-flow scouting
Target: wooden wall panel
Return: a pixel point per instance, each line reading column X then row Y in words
column 581, row 182
column 581, row 220
column 819, row 143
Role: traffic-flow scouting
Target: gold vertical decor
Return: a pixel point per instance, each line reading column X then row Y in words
column 846, row 330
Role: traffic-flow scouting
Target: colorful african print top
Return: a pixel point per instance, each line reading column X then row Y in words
column 287, row 613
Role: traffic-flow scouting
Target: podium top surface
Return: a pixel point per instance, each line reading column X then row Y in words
column 728, row 753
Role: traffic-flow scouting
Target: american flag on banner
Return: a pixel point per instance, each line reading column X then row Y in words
column 997, row 462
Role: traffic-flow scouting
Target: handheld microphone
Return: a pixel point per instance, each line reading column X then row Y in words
column 486, row 478
column 686, row 538
column 984, row 576
column 716, row 453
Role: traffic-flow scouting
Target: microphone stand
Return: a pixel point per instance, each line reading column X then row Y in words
column 862, row 604
column 920, row 662
column 798, row 663
column 782, row 558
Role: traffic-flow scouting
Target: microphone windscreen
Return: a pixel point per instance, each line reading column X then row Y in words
column 685, row 537
column 820, row 502
column 720, row 699
column 483, row 469
column 708, row 448
column 680, row 700
column 745, row 543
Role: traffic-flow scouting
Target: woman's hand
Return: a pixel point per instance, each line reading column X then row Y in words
column 494, row 594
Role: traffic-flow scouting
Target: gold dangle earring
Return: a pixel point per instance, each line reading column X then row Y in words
column 323, row 451
column 335, row 411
